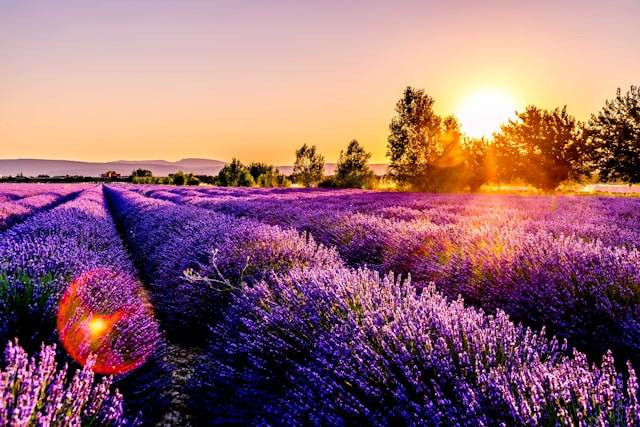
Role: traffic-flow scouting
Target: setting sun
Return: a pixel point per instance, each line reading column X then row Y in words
column 482, row 112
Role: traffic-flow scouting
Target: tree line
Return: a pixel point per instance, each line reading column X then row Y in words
column 540, row 147
column 428, row 152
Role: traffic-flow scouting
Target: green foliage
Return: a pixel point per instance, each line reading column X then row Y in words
column 353, row 170
column 267, row 175
column 181, row 178
column 256, row 169
column 414, row 133
column 235, row 174
column 141, row 173
column 426, row 151
column 308, row 168
column 542, row 147
column 613, row 138
column 479, row 164
column 29, row 303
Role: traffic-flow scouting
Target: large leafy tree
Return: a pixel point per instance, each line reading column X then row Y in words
column 414, row 139
column 235, row 174
column 353, row 170
column 309, row 166
column 613, row 138
column 542, row 147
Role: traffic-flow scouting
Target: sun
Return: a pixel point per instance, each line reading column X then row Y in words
column 482, row 112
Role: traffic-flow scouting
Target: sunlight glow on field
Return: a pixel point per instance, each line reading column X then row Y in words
column 94, row 319
column 482, row 112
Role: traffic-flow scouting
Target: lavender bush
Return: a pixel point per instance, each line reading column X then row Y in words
column 219, row 251
column 338, row 347
column 42, row 256
column 570, row 264
column 33, row 391
column 17, row 208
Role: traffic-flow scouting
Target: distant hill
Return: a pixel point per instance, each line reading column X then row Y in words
column 35, row 167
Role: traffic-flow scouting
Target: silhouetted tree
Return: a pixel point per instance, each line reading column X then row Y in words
column 542, row 147
column 141, row 173
column 256, row 169
column 426, row 151
column 613, row 138
column 235, row 174
column 414, row 138
column 177, row 178
column 479, row 162
column 308, row 168
column 448, row 170
column 266, row 175
column 353, row 170
column 273, row 179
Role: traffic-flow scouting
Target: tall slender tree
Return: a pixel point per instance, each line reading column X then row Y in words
column 353, row 170
column 613, row 138
column 308, row 168
column 414, row 138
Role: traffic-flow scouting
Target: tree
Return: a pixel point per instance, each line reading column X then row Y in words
column 180, row 178
column 353, row 170
column 177, row 178
column 309, row 166
column 542, row 147
column 256, row 169
column 141, row 173
column 235, row 174
column 479, row 162
column 414, row 138
column 613, row 138
column 273, row 179
column 267, row 175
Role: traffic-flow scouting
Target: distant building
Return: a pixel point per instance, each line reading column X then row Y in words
column 110, row 175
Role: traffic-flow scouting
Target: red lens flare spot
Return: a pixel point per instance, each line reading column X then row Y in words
column 106, row 313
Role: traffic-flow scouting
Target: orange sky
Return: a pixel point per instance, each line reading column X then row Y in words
column 256, row 79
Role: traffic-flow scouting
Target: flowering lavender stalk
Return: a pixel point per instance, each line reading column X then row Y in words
column 73, row 245
column 33, row 391
column 170, row 240
column 16, row 210
column 342, row 347
column 570, row 264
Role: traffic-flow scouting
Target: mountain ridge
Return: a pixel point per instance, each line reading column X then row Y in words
column 198, row 166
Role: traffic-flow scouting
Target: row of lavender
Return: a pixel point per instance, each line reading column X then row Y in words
column 18, row 202
column 41, row 259
column 297, row 337
column 568, row 264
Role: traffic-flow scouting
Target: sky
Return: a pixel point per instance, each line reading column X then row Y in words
column 98, row 81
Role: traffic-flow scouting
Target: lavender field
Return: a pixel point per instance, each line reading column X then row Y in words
column 210, row 305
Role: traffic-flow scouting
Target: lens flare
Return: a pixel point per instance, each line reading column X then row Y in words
column 106, row 313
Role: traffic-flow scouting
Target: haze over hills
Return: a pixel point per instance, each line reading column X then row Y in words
column 35, row 167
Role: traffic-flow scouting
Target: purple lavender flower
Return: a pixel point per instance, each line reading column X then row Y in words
column 33, row 391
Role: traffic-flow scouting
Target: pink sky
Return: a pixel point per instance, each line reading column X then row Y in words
column 255, row 79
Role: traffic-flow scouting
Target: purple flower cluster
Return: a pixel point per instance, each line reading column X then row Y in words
column 33, row 391
column 23, row 201
column 570, row 264
column 345, row 347
column 42, row 256
column 219, row 253
column 288, row 300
